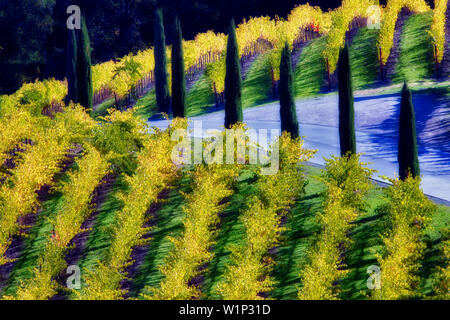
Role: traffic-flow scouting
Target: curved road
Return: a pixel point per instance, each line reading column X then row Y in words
column 376, row 120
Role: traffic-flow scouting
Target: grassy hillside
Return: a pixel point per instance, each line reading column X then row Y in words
column 364, row 58
column 257, row 86
column 415, row 63
column 310, row 72
column 416, row 51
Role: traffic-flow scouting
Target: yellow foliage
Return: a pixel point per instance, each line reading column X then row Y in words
column 154, row 174
column 75, row 208
column 437, row 31
column 347, row 182
column 409, row 213
column 390, row 15
column 247, row 275
column 212, row 184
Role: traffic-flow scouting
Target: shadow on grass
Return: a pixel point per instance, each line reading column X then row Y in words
column 168, row 223
column 361, row 255
column 301, row 233
column 364, row 58
column 231, row 232
column 34, row 245
column 416, row 50
column 257, row 87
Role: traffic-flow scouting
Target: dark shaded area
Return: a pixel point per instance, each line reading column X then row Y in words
column 34, row 35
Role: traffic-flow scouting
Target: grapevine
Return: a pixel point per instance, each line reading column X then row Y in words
column 154, row 173
column 77, row 196
column 437, row 31
column 390, row 15
column 409, row 212
column 246, row 278
column 347, row 183
column 191, row 248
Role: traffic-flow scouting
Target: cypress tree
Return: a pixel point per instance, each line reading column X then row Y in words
column 346, row 104
column 288, row 113
column 233, row 81
column 84, row 72
column 71, row 67
column 408, row 158
column 161, row 82
column 178, row 73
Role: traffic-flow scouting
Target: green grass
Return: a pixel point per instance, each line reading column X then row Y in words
column 416, row 51
column 257, row 86
column 200, row 98
column 231, row 232
column 364, row 58
column 102, row 109
column 168, row 222
column 100, row 236
column 34, row 244
column 311, row 69
column 146, row 106
column 301, row 228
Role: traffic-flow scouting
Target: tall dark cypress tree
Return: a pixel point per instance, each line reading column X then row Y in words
column 71, row 67
column 408, row 159
column 84, row 71
column 346, row 104
column 288, row 114
column 233, row 81
column 161, row 82
column 178, row 73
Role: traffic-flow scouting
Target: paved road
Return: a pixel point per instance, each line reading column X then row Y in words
column 376, row 120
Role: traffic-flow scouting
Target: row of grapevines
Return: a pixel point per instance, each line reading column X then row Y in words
column 347, row 183
column 204, row 44
column 390, row 15
column 154, row 174
column 40, row 163
column 409, row 212
column 212, row 184
column 247, row 275
column 276, row 31
column 341, row 19
column 13, row 129
column 18, row 194
column 122, row 75
column 442, row 289
column 438, row 27
column 74, row 210
column 34, row 96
